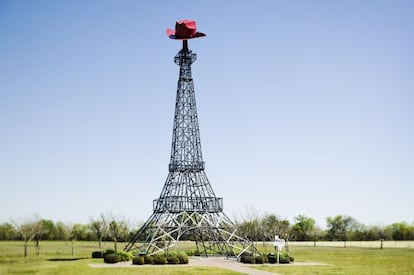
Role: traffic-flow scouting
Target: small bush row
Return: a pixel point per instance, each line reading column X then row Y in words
column 172, row 258
column 284, row 258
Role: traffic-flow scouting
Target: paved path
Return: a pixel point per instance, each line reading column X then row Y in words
column 220, row 262
column 230, row 264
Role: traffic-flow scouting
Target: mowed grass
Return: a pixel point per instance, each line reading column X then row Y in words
column 56, row 258
column 350, row 260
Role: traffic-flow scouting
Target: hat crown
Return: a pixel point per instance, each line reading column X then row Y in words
column 185, row 28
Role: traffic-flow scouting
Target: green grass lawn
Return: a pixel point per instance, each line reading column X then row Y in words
column 350, row 260
column 56, row 258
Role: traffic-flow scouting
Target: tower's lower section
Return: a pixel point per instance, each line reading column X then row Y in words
column 213, row 233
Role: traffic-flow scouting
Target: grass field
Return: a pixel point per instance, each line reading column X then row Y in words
column 56, row 258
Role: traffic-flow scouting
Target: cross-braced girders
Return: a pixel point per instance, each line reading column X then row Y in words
column 213, row 233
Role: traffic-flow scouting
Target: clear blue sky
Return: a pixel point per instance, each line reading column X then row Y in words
column 305, row 107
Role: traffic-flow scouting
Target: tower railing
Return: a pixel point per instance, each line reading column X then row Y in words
column 176, row 204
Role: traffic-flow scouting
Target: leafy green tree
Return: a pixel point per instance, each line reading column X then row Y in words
column 340, row 227
column 62, row 231
column 303, row 228
column 49, row 230
column 401, row 231
column 8, row 232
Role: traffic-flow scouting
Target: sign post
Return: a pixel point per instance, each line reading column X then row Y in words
column 279, row 244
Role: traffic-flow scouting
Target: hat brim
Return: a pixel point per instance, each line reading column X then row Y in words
column 171, row 35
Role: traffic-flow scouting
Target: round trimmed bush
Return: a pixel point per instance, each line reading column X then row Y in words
column 173, row 260
column 271, row 258
column 97, row 254
column 138, row 260
column 183, row 258
column 259, row 260
column 160, row 259
column 148, row 259
column 284, row 259
column 108, row 251
column 112, row 259
column 247, row 259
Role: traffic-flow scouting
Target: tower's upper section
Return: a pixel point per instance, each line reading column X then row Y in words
column 186, row 146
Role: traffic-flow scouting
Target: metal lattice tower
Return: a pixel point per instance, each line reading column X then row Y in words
column 187, row 207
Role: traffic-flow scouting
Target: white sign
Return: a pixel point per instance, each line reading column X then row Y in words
column 280, row 243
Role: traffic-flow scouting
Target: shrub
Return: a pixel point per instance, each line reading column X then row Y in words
column 247, row 259
column 271, row 258
column 108, row 251
column 159, row 259
column 284, row 258
column 97, row 254
column 259, row 260
column 138, row 260
column 148, row 259
column 245, row 253
column 112, row 259
column 291, row 258
column 183, row 258
column 173, row 260
column 125, row 256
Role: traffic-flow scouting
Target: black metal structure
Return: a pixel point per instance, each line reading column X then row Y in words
column 187, row 206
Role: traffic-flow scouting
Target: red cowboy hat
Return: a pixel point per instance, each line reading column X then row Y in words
column 184, row 29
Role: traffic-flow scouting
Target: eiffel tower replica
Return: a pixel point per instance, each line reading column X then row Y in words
column 187, row 208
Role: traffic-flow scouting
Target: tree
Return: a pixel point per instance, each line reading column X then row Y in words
column 62, row 231
column 118, row 231
column 401, row 231
column 49, row 229
column 29, row 229
column 274, row 226
column 99, row 227
column 317, row 234
column 250, row 226
column 77, row 232
column 303, row 228
column 8, row 232
column 39, row 230
column 339, row 227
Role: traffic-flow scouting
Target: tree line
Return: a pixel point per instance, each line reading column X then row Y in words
column 106, row 227
column 344, row 228
column 255, row 227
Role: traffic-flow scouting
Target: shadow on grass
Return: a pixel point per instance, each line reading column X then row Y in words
column 66, row 259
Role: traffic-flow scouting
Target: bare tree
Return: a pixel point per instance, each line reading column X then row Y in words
column 29, row 229
column 249, row 225
column 118, row 231
column 100, row 227
column 38, row 229
column 117, row 227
